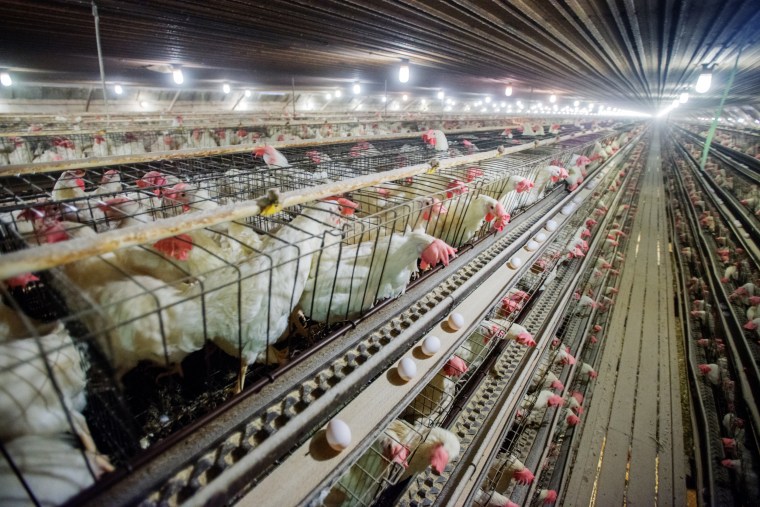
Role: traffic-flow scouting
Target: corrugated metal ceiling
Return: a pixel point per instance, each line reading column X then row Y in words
column 627, row 52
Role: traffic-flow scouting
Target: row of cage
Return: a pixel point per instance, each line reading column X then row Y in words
column 123, row 349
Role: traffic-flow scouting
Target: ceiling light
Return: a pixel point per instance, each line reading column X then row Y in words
column 508, row 90
column 384, row 99
column 247, row 93
column 503, row 104
column 403, row 71
column 177, row 75
column 338, row 93
column 552, row 98
column 705, row 79
column 683, row 98
column 488, row 100
column 675, row 102
column 144, row 104
column 453, row 102
column 405, row 97
column 5, row 79
column 116, row 88
column 357, row 88
column 424, row 101
column 577, row 103
column 226, row 88
column 441, row 95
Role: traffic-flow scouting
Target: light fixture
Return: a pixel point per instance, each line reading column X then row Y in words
column 488, row 100
column 328, row 96
column 577, row 103
column 405, row 97
column 226, row 88
column 357, row 88
column 5, row 79
column 116, row 88
column 403, row 71
column 247, row 93
column 503, row 104
column 144, row 104
column 552, row 98
column 177, row 75
column 424, row 101
column 675, row 102
column 683, row 98
column 441, row 95
column 705, row 79
column 384, row 99
column 508, row 90
column 338, row 93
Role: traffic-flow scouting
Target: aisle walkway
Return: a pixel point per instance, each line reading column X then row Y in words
column 631, row 449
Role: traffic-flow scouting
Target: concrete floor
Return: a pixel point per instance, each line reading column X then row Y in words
column 631, row 449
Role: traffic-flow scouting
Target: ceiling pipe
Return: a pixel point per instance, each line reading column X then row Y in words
column 100, row 61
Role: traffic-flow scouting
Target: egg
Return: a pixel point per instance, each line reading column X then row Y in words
column 567, row 209
column 338, row 434
column 531, row 246
column 431, row 345
column 456, row 321
column 551, row 225
column 540, row 237
column 577, row 199
column 515, row 262
column 407, row 368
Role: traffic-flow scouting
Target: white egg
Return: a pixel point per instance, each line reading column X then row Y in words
column 407, row 368
column 577, row 199
column 456, row 321
column 431, row 345
column 531, row 246
column 567, row 209
column 737, row 223
column 540, row 237
column 515, row 262
column 551, row 225
column 338, row 434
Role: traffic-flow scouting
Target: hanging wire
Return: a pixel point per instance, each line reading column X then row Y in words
column 100, row 61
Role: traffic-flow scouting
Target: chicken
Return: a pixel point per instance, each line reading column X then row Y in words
column 29, row 400
column 344, row 282
column 436, row 139
column 537, row 404
column 711, row 373
column 438, row 395
column 271, row 157
column 21, row 153
column 182, row 197
column 492, row 499
column 438, row 448
column 69, row 185
column 505, row 468
column 475, row 346
column 465, row 216
column 53, row 468
column 547, row 380
column 239, row 309
column 547, row 496
column 568, row 420
column 521, row 335
column 101, row 147
column 586, row 372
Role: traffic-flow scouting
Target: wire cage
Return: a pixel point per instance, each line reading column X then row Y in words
column 708, row 338
column 171, row 330
column 36, row 146
column 508, row 472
